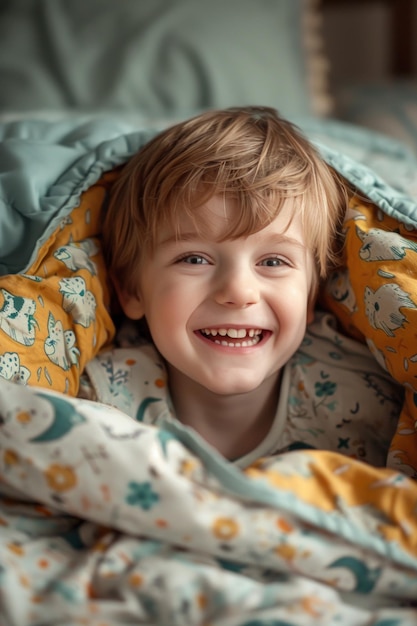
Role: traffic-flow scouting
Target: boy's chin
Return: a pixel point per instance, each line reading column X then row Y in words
column 226, row 388
column 222, row 383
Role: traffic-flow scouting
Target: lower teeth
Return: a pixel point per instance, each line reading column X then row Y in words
column 237, row 344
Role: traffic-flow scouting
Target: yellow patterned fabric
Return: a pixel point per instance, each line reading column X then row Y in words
column 374, row 295
column 55, row 317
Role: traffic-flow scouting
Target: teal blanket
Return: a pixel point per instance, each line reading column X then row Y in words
column 46, row 166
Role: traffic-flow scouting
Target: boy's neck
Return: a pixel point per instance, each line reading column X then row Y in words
column 234, row 424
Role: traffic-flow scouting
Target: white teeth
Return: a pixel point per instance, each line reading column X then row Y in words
column 252, row 335
column 233, row 333
column 238, row 344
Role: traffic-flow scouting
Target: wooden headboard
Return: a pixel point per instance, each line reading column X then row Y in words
column 402, row 32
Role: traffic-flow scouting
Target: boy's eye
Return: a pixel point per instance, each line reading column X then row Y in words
column 273, row 262
column 193, row 259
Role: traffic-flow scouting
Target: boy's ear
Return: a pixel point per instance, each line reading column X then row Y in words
column 131, row 304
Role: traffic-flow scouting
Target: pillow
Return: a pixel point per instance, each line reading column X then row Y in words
column 161, row 58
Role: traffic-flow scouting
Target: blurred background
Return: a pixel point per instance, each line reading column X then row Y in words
column 384, row 43
column 154, row 61
column 372, row 49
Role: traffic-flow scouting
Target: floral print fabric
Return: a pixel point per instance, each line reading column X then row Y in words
column 109, row 521
column 334, row 395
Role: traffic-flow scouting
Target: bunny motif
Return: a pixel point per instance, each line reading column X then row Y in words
column 17, row 318
column 60, row 344
column 78, row 300
column 383, row 307
column 77, row 255
column 382, row 245
column 11, row 369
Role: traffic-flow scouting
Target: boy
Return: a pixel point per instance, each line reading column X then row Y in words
column 216, row 234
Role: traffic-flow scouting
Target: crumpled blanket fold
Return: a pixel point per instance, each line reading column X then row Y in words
column 110, row 520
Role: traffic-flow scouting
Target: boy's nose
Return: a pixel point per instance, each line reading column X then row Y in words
column 237, row 288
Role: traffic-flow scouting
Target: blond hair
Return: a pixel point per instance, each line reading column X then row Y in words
column 250, row 154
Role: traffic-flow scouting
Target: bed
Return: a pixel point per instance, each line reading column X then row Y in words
column 104, row 519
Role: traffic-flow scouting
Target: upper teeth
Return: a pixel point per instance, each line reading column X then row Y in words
column 233, row 333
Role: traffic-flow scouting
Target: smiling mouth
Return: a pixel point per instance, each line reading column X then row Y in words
column 233, row 337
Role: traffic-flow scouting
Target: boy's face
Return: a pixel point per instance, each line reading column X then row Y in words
column 226, row 315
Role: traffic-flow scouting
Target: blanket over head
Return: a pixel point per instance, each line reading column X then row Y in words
column 106, row 520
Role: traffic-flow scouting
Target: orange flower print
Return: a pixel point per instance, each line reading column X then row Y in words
column 10, row 457
column 225, row 528
column 284, row 525
column 24, row 417
column 60, row 477
column 136, row 580
column 16, row 548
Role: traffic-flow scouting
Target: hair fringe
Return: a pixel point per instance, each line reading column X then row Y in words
column 247, row 153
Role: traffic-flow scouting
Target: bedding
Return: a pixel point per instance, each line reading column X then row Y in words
column 108, row 520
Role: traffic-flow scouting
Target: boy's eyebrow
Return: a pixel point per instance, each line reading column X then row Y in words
column 277, row 238
column 187, row 236
column 272, row 239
